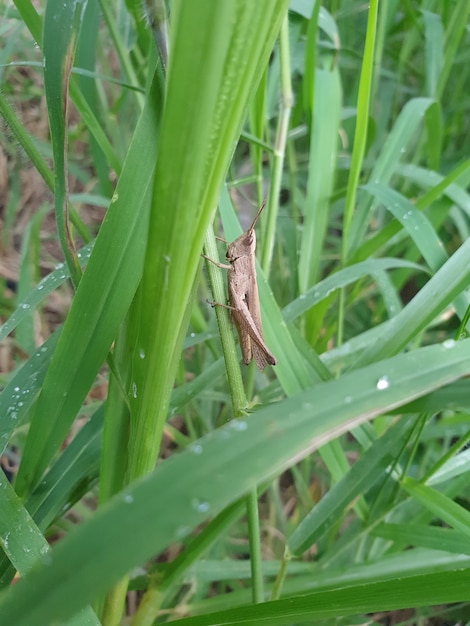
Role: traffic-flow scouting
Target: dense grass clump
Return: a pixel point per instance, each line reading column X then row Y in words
column 149, row 475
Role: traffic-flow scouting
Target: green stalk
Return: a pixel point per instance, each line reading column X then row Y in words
column 256, row 561
column 279, row 149
column 360, row 135
column 453, row 36
column 160, row 583
column 26, row 142
column 235, row 380
column 281, row 575
column 122, row 53
column 360, row 138
column 239, row 405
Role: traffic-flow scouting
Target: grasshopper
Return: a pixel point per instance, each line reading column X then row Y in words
column 243, row 297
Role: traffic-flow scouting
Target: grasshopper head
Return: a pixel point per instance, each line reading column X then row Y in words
column 244, row 245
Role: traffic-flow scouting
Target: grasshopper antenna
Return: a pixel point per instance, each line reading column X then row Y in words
column 263, row 204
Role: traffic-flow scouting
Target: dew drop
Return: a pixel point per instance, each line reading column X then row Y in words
column 141, row 353
column 448, row 344
column 128, row 498
column 383, row 383
column 195, row 448
column 201, row 506
column 182, row 531
column 134, row 390
column 238, row 425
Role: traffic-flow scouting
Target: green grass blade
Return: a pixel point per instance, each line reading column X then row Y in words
column 108, row 284
column 62, row 23
column 46, row 286
column 340, row 279
column 434, row 50
column 25, row 545
column 25, row 141
column 432, row 537
column 445, row 286
column 395, row 594
column 360, row 136
column 388, row 160
column 323, row 154
column 224, row 48
column 416, row 224
column 370, row 468
column 440, row 505
column 17, row 397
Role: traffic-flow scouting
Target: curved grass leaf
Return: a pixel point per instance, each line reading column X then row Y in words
column 389, row 158
column 415, row 223
column 340, row 279
column 18, row 396
column 445, row 286
column 37, row 295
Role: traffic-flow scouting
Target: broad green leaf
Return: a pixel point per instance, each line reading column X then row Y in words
column 241, row 454
column 218, row 55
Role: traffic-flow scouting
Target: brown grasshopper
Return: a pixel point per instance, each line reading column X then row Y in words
column 244, row 299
